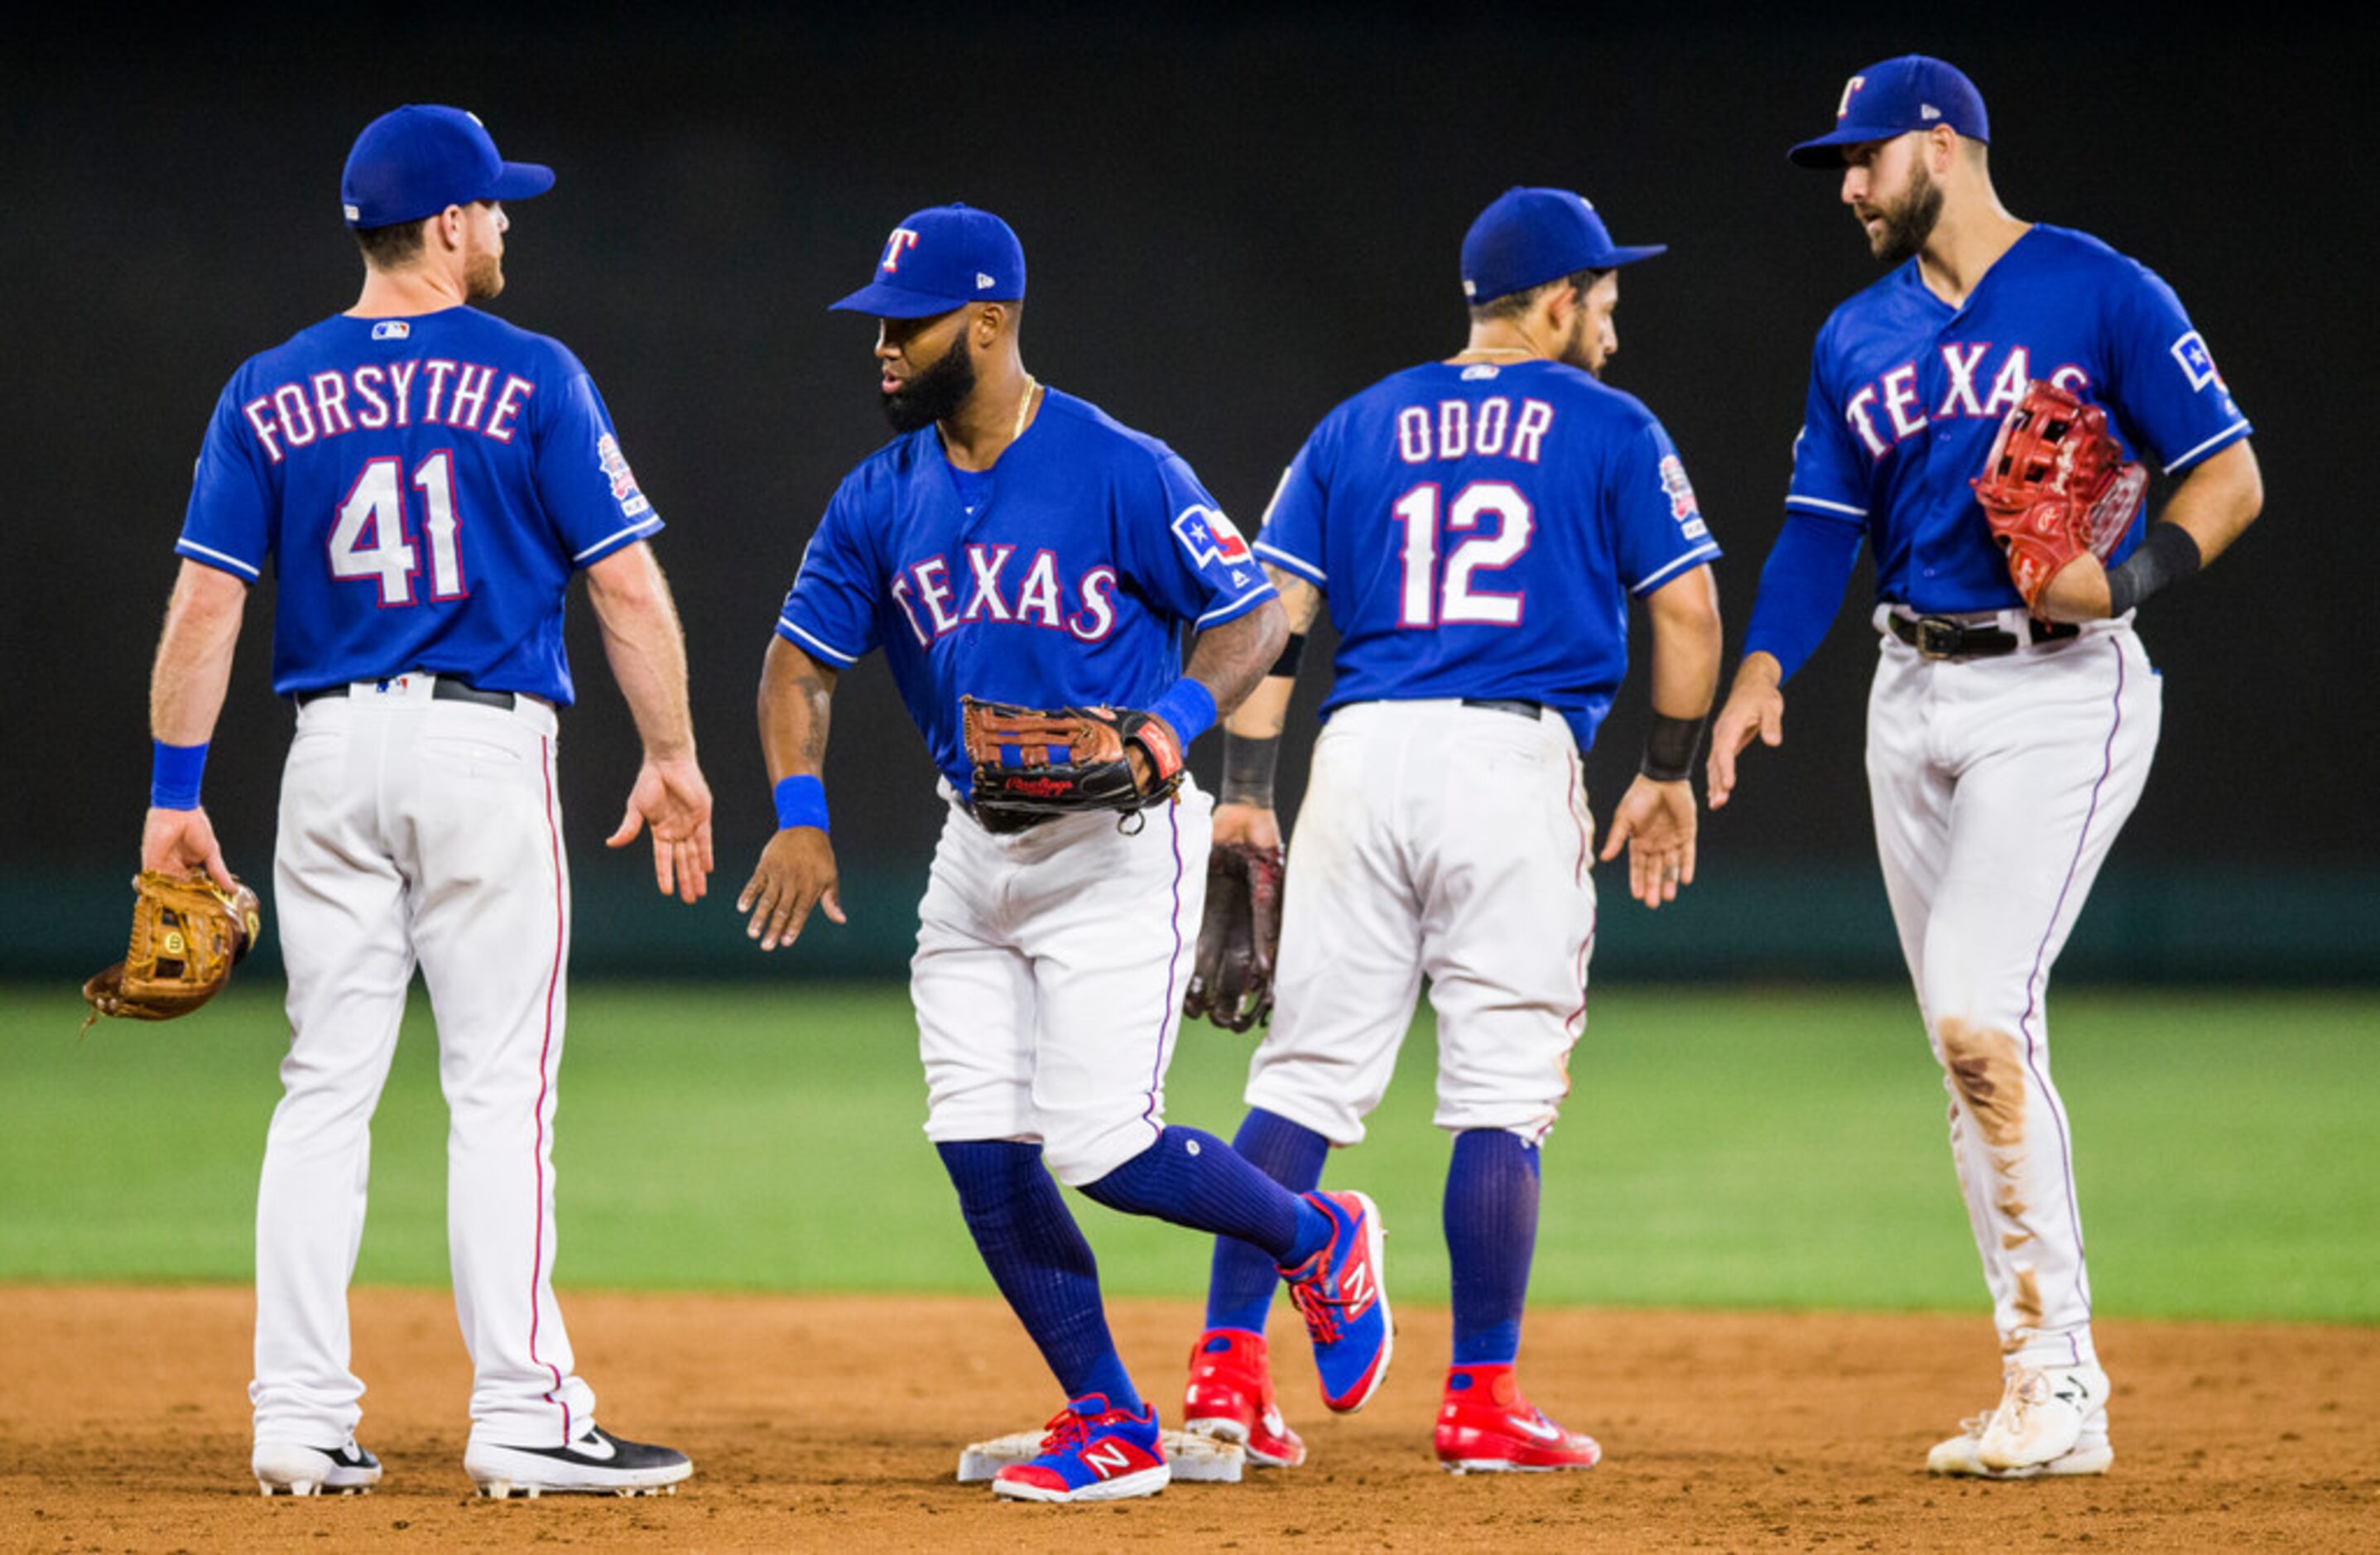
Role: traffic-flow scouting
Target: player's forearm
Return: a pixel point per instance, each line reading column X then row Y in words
column 1264, row 711
column 2218, row 501
column 646, row 648
column 797, row 697
column 1687, row 642
column 1800, row 588
column 1230, row 660
column 192, row 672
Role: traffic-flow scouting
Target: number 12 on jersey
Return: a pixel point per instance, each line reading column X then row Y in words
column 368, row 540
column 1499, row 522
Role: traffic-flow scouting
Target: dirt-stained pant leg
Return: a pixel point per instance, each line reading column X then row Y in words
column 1999, row 785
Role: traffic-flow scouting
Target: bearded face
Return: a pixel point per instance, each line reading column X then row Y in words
column 934, row 395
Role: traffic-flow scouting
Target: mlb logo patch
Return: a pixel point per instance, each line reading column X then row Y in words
column 391, row 329
column 1209, row 536
column 1682, row 505
column 2196, row 361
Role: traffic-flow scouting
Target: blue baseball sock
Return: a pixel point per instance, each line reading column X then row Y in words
column 1041, row 1262
column 1491, row 1234
column 1239, row 1289
column 1194, row 1179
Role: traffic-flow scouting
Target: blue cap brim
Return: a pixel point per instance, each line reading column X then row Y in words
column 1827, row 149
column 519, row 181
column 1621, row 256
column 886, row 301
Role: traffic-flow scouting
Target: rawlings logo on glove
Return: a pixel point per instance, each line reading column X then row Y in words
column 188, row 933
column 2055, row 487
column 1030, row 762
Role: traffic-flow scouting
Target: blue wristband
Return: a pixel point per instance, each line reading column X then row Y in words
column 1188, row 708
column 801, row 801
column 173, row 772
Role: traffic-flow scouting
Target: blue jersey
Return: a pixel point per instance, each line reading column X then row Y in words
column 1476, row 532
column 423, row 487
column 1060, row 577
column 1907, row 393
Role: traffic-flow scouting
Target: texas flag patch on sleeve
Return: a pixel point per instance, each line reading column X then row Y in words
column 1209, row 536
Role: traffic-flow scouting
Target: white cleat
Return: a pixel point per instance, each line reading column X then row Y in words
column 596, row 1463
column 285, row 1468
column 2048, row 1424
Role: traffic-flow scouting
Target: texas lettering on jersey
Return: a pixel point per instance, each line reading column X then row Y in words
column 1981, row 385
column 928, row 593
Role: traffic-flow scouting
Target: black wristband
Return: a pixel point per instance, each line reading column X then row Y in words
column 1670, row 748
column 1247, row 768
column 1290, row 652
column 2165, row 558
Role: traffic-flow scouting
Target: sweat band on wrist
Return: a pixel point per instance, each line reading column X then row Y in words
column 2165, row 557
column 1248, row 768
column 801, row 801
column 173, row 772
column 1188, row 709
column 1669, row 749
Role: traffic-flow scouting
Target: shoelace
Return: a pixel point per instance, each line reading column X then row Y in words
column 1065, row 1429
column 1322, row 1323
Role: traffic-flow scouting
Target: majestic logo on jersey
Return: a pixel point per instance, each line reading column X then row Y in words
column 1893, row 406
column 902, row 237
column 1851, row 90
column 2197, row 362
column 624, row 480
column 1209, row 536
column 1027, row 594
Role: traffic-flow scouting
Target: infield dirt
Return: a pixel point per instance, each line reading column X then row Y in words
column 837, row 1422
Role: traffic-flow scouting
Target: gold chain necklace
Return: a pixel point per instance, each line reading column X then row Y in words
column 1024, row 406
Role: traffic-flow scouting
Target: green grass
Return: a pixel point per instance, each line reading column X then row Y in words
column 1754, row 1147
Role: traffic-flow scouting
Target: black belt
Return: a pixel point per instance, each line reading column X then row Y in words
column 1940, row 637
column 1524, row 707
column 447, row 688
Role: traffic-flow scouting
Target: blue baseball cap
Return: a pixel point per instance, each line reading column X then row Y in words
column 418, row 160
column 1529, row 237
column 1914, row 91
column 939, row 259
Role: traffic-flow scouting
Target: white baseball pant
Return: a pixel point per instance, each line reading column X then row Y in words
column 418, row 828
column 1442, row 838
column 1999, row 786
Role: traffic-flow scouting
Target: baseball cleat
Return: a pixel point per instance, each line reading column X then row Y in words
column 594, row 1464
column 1486, row 1427
column 1092, row 1454
column 285, row 1468
column 1230, row 1399
column 1339, row 1293
column 2048, row 1422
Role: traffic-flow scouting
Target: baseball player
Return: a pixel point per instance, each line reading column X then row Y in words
column 1015, row 545
column 1476, row 526
column 423, row 479
column 2007, row 743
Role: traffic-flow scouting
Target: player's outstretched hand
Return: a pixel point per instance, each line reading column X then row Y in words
column 1755, row 706
column 671, row 795
column 795, row 873
column 1655, row 821
column 178, row 842
column 1254, row 825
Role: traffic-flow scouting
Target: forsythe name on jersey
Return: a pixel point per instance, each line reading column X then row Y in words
column 420, row 392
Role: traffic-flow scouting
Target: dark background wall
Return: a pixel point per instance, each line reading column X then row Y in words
column 1232, row 219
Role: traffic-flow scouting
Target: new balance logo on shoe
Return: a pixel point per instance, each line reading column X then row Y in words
column 1107, row 1459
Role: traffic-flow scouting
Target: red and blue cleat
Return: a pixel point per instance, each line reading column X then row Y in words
column 1230, row 1399
column 1340, row 1294
column 1092, row 1454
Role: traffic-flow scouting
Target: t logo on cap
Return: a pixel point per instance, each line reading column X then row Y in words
column 1850, row 87
column 1892, row 97
column 941, row 259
